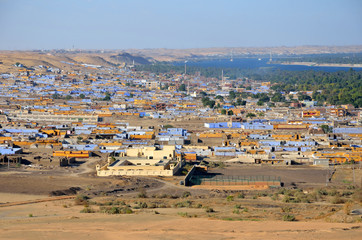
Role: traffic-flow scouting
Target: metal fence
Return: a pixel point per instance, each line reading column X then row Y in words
column 234, row 180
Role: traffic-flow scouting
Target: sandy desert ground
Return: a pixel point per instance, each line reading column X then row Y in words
column 62, row 219
column 52, row 221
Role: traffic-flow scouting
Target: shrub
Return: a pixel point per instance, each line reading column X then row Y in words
column 238, row 206
column 127, row 210
column 209, row 210
column 347, row 208
column 333, row 192
column 230, row 198
column 287, row 199
column 186, row 194
column 312, row 197
column 81, row 200
column 87, row 210
column 216, row 164
column 116, row 210
column 347, row 193
column 162, row 205
column 164, row 195
column 322, row 192
column 289, row 217
column 143, row 205
column 337, row 200
column 275, row 196
column 142, row 193
column 281, row 191
column 152, row 205
column 262, row 194
column 183, row 204
column 296, row 200
column 183, row 214
column 30, row 215
column 199, row 205
column 241, row 195
column 286, row 209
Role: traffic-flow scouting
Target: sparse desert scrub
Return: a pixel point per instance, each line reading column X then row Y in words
column 347, row 207
column 209, row 210
column 87, row 209
column 116, row 210
column 288, row 217
column 81, row 200
column 183, row 204
column 337, row 200
column 230, row 198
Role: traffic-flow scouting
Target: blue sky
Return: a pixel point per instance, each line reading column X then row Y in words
column 122, row 24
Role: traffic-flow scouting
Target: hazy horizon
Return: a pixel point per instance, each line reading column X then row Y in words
column 142, row 24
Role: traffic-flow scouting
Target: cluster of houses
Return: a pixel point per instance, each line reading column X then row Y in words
column 94, row 110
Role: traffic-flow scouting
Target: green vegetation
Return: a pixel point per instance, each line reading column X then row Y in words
column 116, row 210
column 186, row 194
column 107, row 97
column 87, row 209
column 182, row 88
column 326, row 128
column 185, row 214
column 342, row 87
column 142, row 193
column 207, row 102
column 250, row 115
column 209, row 210
column 184, row 204
column 216, row 164
column 288, row 217
column 81, row 200
column 230, row 198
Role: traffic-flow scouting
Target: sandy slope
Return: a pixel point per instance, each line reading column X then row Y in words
column 96, row 226
column 52, row 220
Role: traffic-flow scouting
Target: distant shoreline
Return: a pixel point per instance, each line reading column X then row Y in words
column 314, row 64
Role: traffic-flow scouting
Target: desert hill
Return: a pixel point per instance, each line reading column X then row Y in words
column 63, row 59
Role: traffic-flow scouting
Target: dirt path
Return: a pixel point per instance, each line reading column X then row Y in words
column 85, row 167
column 36, row 201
